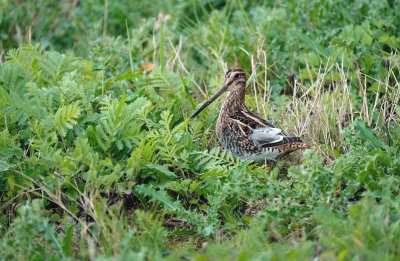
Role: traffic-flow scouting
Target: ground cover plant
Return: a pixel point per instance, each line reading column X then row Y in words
column 99, row 160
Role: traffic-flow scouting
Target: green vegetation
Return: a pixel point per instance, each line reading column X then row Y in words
column 98, row 159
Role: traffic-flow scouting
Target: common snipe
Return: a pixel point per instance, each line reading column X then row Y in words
column 242, row 132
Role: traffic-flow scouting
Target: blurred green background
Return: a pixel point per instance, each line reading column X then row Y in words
column 291, row 32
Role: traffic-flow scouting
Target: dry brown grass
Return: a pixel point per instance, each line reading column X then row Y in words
column 321, row 107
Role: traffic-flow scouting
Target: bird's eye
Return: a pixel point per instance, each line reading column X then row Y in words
column 236, row 75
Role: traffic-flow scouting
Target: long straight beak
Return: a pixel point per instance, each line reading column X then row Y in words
column 213, row 98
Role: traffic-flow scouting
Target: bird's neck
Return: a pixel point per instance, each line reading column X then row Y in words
column 233, row 103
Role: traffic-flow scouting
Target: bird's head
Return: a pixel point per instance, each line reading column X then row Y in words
column 235, row 79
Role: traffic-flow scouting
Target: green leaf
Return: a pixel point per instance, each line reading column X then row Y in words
column 67, row 241
column 398, row 111
column 65, row 118
column 307, row 41
column 5, row 166
column 11, row 181
column 367, row 135
column 390, row 40
column 158, row 195
column 162, row 169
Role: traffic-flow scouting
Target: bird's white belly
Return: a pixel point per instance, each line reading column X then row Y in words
column 267, row 154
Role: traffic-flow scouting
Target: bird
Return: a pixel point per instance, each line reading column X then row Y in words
column 242, row 132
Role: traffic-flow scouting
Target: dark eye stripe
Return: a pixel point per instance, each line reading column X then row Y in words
column 228, row 72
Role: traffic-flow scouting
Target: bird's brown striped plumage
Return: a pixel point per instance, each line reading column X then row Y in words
column 245, row 134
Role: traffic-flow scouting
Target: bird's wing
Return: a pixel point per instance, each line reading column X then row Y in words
column 262, row 132
column 272, row 137
column 266, row 136
column 253, row 121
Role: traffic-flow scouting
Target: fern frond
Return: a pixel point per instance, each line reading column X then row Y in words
column 8, row 75
column 55, row 65
column 215, row 159
column 6, row 140
column 65, row 118
column 120, row 123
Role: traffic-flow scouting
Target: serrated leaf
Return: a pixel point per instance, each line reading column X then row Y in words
column 160, row 196
column 65, row 118
column 161, row 169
